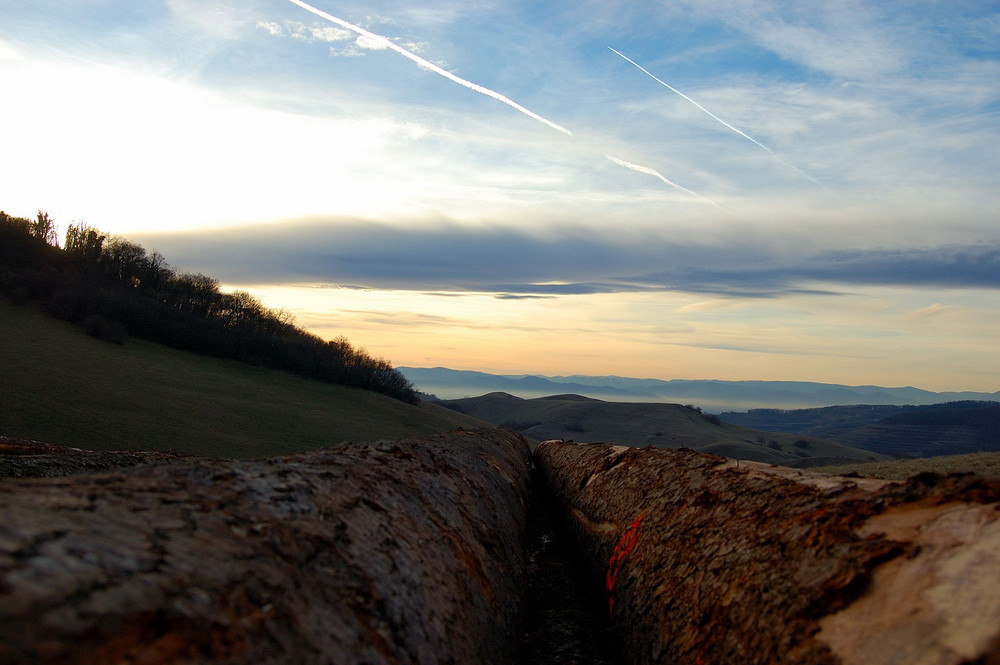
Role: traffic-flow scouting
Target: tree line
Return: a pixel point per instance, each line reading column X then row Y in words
column 115, row 288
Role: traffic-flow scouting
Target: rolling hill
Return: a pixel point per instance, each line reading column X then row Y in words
column 61, row 386
column 575, row 417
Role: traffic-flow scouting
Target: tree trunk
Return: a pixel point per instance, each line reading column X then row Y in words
column 708, row 560
column 403, row 552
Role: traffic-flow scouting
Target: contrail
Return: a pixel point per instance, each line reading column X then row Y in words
column 712, row 115
column 379, row 39
column 429, row 65
column 657, row 174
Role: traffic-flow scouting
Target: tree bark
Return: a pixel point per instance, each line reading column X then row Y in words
column 708, row 560
column 21, row 458
column 380, row 553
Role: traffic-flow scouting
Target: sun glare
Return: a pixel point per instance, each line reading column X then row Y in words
column 145, row 153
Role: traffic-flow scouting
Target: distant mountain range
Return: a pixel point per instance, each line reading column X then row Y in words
column 714, row 396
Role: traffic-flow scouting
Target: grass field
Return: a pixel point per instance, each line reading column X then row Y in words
column 59, row 386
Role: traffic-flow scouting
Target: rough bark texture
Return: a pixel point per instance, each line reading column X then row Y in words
column 21, row 458
column 708, row 560
column 402, row 552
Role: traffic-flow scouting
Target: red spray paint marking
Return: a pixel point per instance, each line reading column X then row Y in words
column 625, row 545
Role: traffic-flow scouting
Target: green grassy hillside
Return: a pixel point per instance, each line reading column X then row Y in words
column 650, row 424
column 60, row 386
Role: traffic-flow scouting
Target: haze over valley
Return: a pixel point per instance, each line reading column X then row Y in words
column 712, row 395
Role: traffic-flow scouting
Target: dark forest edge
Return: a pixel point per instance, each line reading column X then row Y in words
column 114, row 288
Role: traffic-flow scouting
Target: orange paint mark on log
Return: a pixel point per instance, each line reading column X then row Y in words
column 625, row 545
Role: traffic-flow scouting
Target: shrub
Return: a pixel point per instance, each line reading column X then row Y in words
column 19, row 296
column 74, row 303
column 97, row 326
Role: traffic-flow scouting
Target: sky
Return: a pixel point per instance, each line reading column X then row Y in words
column 703, row 189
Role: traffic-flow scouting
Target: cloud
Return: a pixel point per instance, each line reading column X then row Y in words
column 843, row 48
column 933, row 311
column 447, row 257
column 960, row 266
column 222, row 19
column 272, row 28
column 306, row 33
column 840, row 38
column 963, row 267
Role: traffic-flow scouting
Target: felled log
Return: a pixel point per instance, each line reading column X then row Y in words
column 21, row 458
column 709, row 560
column 381, row 553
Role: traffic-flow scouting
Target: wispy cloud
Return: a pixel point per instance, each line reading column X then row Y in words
column 842, row 39
column 307, row 33
column 220, row 20
column 933, row 311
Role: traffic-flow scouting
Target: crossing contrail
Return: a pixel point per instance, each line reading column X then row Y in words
column 426, row 64
column 656, row 174
column 712, row 115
